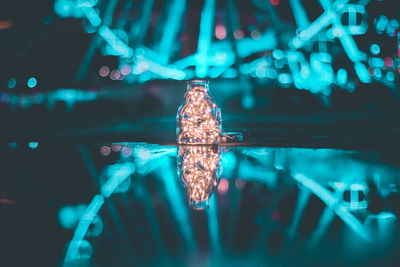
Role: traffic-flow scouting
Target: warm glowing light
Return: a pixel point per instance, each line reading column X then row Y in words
column 274, row 2
column 125, row 69
column 104, row 71
column 116, row 147
column 5, row 24
column 199, row 118
column 240, row 183
column 388, row 62
column 223, row 186
column 115, row 74
column 220, row 32
column 105, row 150
column 199, row 168
column 238, row 34
column 126, row 151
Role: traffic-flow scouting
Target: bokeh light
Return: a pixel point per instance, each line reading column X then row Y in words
column 126, row 151
column 220, row 32
column 32, row 82
column 116, row 147
column 114, row 75
column 240, row 183
column 105, row 150
column 33, row 145
column 274, row 2
column 255, row 35
column 126, row 69
column 104, row 71
column 13, row 144
column 223, row 186
column 238, row 34
column 12, row 83
column 375, row 49
column 67, row 217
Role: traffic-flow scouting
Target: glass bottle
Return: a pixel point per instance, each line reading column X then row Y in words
column 198, row 120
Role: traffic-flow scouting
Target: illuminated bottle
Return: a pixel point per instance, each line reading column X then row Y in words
column 198, row 120
column 199, row 169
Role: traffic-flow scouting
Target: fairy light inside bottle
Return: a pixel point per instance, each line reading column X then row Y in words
column 198, row 118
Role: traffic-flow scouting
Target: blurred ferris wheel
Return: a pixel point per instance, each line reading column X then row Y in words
column 317, row 47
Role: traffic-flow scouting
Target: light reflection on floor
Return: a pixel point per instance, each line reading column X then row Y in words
column 267, row 206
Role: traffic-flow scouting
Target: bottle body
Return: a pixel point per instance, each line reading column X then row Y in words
column 198, row 119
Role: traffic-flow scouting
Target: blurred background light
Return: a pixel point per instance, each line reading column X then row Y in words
column 33, row 145
column 32, row 82
column 12, row 83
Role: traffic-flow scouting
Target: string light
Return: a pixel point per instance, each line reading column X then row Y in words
column 199, row 168
column 199, row 118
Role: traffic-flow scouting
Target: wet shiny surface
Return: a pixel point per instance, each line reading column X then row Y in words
column 135, row 204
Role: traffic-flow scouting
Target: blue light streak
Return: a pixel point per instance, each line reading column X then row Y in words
column 299, row 14
column 117, row 174
column 249, row 46
column 352, row 10
column 348, row 42
column 307, row 34
column 341, row 76
column 83, row 227
column 177, row 7
column 179, row 209
column 86, row 3
column 69, row 96
column 362, row 72
column 326, row 196
column 207, row 59
column 163, row 71
column 213, row 225
column 205, row 37
column 301, row 203
column 116, row 43
column 322, row 227
column 349, row 45
column 92, row 16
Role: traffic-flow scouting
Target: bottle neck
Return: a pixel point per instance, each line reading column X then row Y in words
column 198, row 85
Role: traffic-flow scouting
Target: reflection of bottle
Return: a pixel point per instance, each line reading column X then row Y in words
column 198, row 118
column 199, row 168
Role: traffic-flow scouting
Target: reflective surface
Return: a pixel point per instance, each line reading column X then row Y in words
column 127, row 205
